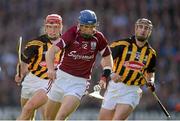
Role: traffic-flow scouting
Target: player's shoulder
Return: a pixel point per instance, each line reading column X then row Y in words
column 122, row 42
column 99, row 34
column 38, row 41
column 100, row 37
column 70, row 32
column 152, row 49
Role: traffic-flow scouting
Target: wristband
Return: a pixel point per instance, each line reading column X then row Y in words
column 106, row 71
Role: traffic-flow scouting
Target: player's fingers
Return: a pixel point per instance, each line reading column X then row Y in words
column 18, row 84
column 50, row 76
column 17, row 79
column 151, row 86
column 115, row 77
column 104, row 85
column 97, row 87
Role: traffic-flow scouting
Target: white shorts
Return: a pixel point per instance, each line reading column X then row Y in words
column 67, row 84
column 120, row 93
column 33, row 83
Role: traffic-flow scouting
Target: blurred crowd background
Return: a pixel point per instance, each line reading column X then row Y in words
column 116, row 17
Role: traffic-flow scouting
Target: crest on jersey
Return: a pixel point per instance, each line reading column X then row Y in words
column 93, row 45
column 138, row 54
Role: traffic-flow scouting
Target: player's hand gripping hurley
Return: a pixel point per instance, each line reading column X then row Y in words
column 19, row 59
column 19, row 55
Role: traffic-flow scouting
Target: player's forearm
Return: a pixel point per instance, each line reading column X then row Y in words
column 107, row 61
column 24, row 68
column 50, row 56
column 107, row 64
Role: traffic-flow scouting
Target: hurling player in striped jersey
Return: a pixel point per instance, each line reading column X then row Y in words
column 134, row 60
column 35, row 84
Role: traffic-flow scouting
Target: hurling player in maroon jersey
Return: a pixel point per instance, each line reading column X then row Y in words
column 81, row 44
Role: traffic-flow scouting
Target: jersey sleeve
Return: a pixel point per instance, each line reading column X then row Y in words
column 103, row 45
column 67, row 38
column 103, row 42
column 116, row 49
column 31, row 50
column 152, row 64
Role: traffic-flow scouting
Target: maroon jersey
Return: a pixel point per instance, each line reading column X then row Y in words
column 80, row 53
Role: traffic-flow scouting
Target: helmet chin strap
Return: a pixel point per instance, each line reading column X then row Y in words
column 141, row 39
column 52, row 38
column 87, row 36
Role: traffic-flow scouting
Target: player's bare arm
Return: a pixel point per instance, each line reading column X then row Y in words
column 50, row 56
column 107, row 64
column 24, row 71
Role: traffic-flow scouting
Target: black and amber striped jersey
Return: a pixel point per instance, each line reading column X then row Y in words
column 34, row 56
column 130, row 61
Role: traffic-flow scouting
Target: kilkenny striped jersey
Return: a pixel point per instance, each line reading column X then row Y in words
column 34, row 56
column 130, row 60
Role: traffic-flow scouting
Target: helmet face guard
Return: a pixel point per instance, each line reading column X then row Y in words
column 144, row 21
column 53, row 26
column 87, row 17
column 53, row 19
column 149, row 26
column 88, row 20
